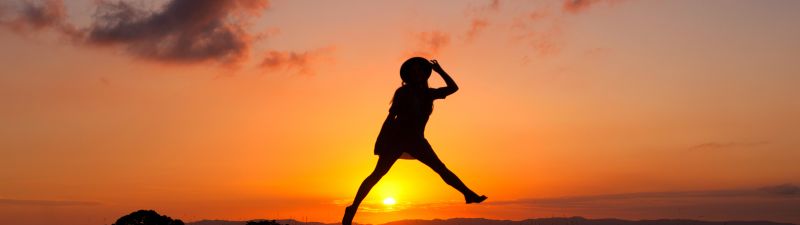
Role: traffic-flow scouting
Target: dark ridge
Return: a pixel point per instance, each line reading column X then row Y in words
column 538, row 221
column 226, row 222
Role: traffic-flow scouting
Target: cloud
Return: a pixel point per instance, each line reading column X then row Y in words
column 788, row 191
column 782, row 190
column 726, row 145
column 479, row 18
column 476, row 27
column 494, row 5
column 28, row 202
column 725, row 204
column 491, row 6
column 777, row 203
column 183, row 31
column 542, row 28
column 546, row 42
column 297, row 61
column 36, row 16
column 597, row 52
column 430, row 43
column 578, row 6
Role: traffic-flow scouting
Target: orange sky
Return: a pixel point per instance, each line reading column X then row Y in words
column 681, row 105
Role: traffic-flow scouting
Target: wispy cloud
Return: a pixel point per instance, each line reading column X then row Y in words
column 494, row 5
column 300, row 62
column 542, row 28
column 180, row 31
column 578, row 6
column 477, row 26
column 429, row 43
column 488, row 6
column 788, row 191
column 479, row 18
column 29, row 202
column 727, row 145
column 776, row 203
column 783, row 190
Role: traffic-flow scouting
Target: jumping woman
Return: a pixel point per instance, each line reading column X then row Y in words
column 403, row 132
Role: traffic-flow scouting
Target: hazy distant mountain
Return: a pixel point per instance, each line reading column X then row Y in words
column 540, row 221
column 573, row 221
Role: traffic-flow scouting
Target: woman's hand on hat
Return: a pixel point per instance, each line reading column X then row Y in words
column 436, row 67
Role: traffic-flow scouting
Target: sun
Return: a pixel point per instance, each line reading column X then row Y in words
column 389, row 201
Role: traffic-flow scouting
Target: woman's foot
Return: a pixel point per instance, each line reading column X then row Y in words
column 349, row 213
column 475, row 198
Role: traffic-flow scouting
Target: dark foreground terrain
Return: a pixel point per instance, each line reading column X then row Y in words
column 540, row 221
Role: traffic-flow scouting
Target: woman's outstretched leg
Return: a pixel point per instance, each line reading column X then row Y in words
column 429, row 158
column 385, row 162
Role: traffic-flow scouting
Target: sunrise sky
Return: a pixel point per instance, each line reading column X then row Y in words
column 244, row 109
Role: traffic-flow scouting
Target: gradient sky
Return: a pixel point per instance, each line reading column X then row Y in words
column 629, row 109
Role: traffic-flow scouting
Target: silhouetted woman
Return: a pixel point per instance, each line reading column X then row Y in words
column 402, row 134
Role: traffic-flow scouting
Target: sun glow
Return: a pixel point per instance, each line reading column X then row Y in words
column 389, row 201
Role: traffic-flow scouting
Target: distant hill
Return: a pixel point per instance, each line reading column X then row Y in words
column 540, row 221
column 574, row 221
column 226, row 222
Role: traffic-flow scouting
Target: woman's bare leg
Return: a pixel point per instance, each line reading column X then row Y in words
column 385, row 162
column 429, row 158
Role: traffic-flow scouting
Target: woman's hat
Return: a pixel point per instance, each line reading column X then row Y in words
column 415, row 66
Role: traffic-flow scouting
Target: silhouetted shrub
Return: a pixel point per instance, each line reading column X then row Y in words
column 146, row 217
column 263, row 222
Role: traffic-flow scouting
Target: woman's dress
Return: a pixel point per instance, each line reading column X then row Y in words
column 403, row 133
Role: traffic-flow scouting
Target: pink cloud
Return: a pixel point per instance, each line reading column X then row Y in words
column 429, row 44
column 301, row 62
column 476, row 27
column 727, row 145
column 542, row 28
column 577, row 6
column 494, row 5
column 480, row 18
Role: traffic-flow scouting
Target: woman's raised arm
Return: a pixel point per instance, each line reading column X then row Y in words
column 451, row 85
